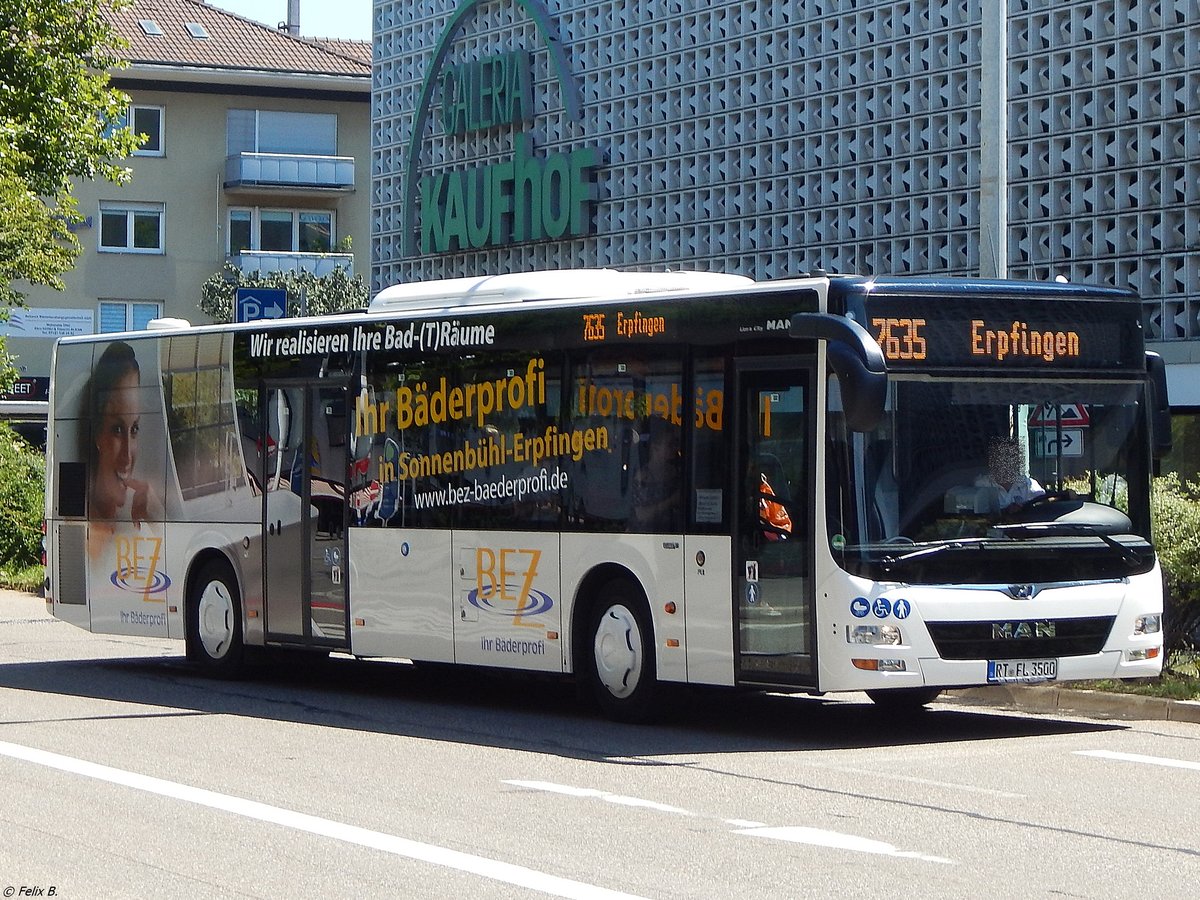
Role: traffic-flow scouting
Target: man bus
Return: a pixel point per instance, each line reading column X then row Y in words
column 635, row 479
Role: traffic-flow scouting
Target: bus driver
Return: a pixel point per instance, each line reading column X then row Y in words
column 1006, row 474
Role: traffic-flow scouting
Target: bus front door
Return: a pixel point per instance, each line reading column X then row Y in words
column 304, row 513
column 772, row 576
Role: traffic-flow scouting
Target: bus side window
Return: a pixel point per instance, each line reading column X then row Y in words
column 627, row 403
column 710, row 451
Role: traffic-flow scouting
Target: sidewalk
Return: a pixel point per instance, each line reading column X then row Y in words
column 1097, row 704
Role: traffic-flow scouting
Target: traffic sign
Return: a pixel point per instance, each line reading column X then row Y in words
column 1049, row 443
column 1074, row 415
column 260, row 303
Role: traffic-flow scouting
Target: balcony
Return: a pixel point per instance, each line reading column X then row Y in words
column 290, row 172
column 266, row 261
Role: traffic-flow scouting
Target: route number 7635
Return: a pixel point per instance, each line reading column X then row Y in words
column 901, row 338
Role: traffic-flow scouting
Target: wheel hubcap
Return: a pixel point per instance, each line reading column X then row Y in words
column 618, row 651
column 216, row 619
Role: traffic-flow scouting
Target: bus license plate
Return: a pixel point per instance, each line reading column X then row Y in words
column 1007, row 671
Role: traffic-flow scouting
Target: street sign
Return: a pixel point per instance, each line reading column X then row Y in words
column 1049, row 443
column 1074, row 415
column 259, row 303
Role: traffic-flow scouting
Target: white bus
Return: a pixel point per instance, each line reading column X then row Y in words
column 638, row 480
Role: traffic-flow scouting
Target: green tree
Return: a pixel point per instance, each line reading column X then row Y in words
column 1175, row 516
column 308, row 293
column 57, row 123
column 22, row 473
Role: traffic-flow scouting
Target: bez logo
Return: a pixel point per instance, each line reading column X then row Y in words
column 137, row 566
column 504, row 585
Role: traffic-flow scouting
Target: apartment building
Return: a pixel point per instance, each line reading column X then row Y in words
column 257, row 153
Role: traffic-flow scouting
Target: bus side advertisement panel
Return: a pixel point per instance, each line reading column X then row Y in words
column 508, row 600
column 121, row 431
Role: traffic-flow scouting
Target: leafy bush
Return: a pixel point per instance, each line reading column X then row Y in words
column 332, row 293
column 22, row 480
column 1175, row 513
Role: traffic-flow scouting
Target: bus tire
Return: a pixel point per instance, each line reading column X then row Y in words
column 214, row 621
column 620, row 653
column 901, row 700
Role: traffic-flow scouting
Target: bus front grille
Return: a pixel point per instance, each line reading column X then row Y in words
column 1020, row 638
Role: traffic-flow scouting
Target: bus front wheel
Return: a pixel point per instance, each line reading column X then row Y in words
column 214, row 609
column 621, row 644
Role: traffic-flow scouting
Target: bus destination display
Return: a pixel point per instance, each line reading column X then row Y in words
column 931, row 333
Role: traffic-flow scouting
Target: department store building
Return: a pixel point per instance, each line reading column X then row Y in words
column 773, row 138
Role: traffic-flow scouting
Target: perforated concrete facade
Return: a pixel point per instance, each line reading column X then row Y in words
column 768, row 138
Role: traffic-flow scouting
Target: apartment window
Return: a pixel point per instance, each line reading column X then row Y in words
column 241, row 224
column 127, row 315
column 143, row 120
column 131, row 227
column 148, row 120
column 274, row 131
column 275, row 231
column 281, row 230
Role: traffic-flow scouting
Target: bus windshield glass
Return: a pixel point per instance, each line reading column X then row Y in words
column 988, row 481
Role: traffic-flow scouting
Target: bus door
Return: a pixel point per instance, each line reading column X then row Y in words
column 773, row 526
column 303, row 474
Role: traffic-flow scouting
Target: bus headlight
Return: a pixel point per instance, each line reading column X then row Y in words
column 1151, row 624
column 873, row 634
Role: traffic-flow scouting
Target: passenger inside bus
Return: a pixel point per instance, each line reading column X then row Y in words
column 657, row 483
column 769, row 490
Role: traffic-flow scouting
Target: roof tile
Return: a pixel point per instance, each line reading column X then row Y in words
column 233, row 42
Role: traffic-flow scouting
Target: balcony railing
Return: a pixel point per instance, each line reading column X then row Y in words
column 257, row 171
column 264, row 261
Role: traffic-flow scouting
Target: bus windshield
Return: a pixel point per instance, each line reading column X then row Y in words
column 981, row 481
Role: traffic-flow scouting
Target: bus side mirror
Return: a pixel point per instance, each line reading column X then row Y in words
column 856, row 360
column 1160, row 407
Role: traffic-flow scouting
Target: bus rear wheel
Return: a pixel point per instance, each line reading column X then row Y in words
column 902, row 700
column 621, row 659
column 214, row 621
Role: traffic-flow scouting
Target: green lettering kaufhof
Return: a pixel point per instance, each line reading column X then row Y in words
column 524, row 199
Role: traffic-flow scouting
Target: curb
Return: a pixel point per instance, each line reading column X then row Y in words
column 1099, row 704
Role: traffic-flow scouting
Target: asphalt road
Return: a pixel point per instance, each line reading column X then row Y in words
column 124, row 774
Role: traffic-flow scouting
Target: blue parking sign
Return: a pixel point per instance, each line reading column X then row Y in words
column 257, row 303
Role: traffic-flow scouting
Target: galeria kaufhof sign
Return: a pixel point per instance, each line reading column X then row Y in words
column 526, row 197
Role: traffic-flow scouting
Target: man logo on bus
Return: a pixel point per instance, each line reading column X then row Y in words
column 504, row 585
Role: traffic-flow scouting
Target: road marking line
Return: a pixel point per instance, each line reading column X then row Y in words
column 799, row 834
column 622, row 800
column 1138, row 758
column 924, row 782
column 364, row 837
column 796, row 834
column 593, row 793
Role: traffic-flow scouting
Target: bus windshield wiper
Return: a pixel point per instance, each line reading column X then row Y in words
column 932, row 550
column 1069, row 529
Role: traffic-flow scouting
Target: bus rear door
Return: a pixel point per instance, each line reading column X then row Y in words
column 304, row 513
